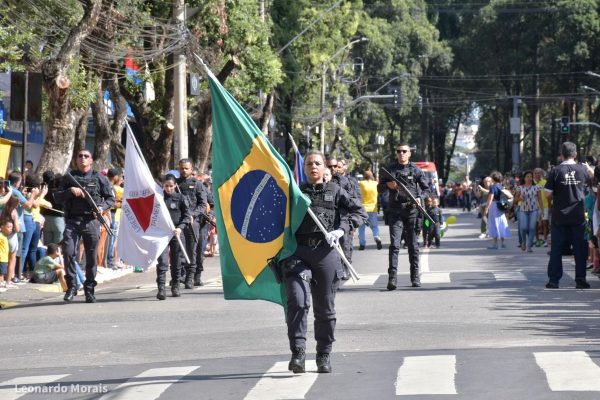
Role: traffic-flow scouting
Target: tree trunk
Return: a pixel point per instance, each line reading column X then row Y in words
column 451, row 152
column 101, row 130
column 62, row 119
column 81, row 129
column 267, row 111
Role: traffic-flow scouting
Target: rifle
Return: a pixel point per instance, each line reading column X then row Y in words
column 95, row 209
column 409, row 194
column 209, row 219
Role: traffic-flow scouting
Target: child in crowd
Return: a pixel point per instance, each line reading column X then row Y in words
column 5, row 230
column 49, row 269
column 432, row 230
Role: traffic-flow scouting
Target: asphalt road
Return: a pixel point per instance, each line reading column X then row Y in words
column 482, row 326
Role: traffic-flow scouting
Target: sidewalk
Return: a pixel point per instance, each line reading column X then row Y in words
column 31, row 292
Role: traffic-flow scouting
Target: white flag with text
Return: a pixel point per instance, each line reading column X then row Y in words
column 146, row 226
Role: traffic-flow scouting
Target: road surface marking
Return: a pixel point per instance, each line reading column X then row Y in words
column 510, row 276
column 365, row 279
column 426, row 375
column 142, row 388
column 435, row 277
column 17, row 387
column 279, row 383
column 569, row 370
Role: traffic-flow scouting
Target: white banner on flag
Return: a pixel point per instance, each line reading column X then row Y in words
column 146, row 226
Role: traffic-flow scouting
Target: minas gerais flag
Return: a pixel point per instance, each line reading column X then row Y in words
column 258, row 205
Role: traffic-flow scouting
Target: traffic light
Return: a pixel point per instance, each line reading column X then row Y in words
column 564, row 125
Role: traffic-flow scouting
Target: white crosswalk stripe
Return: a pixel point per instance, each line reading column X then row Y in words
column 12, row 389
column 569, row 371
column 150, row 384
column 435, row 277
column 427, row 375
column 279, row 383
column 509, row 276
column 365, row 280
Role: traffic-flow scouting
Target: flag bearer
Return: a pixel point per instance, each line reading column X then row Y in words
column 315, row 270
column 180, row 214
column 195, row 194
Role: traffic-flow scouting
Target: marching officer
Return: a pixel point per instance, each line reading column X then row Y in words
column 195, row 194
column 402, row 212
column 80, row 221
column 338, row 171
column 181, row 217
column 315, row 269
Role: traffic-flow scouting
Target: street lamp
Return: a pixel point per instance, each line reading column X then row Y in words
column 325, row 67
column 591, row 89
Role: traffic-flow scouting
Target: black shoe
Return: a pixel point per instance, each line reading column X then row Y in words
column 416, row 283
column 392, row 283
column 582, row 285
column 72, row 292
column 346, row 274
column 189, row 282
column 89, row 297
column 323, row 363
column 361, row 247
column 161, row 295
column 175, row 291
column 198, row 280
column 296, row 364
column 379, row 244
column 551, row 285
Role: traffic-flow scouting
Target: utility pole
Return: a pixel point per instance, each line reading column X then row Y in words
column 515, row 131
column 322, row 125
column 180, row 138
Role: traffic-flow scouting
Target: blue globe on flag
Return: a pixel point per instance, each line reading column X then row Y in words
column 258, row 207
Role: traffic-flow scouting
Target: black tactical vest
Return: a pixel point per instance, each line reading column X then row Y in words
column 407, row 175
column 323, row 204
column 79, row 205
column 187, row 187
column 173, row 203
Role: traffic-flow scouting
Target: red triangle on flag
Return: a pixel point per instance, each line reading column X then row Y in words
column 142, row 209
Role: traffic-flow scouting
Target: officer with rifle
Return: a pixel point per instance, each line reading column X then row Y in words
column 404, row 206
column 195, row 194
column 85, row 194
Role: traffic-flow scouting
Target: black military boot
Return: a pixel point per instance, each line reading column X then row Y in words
column 89, row 295
column 175, row 290
column 414, row 277
column 392, row 282
column 323, row 363
column 189, row 281
column 161, row 295
column 70, row 293
column 296, row 364
column 198, row 279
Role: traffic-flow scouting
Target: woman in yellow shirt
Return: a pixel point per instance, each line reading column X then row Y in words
column 368, row 191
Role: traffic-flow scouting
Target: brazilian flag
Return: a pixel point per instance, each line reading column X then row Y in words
column 258, row 205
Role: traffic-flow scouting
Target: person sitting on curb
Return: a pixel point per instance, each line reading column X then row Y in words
column 48, row 269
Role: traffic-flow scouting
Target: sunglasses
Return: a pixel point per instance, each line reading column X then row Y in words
column 332, row 166
column 402, row 151
column 83, row 155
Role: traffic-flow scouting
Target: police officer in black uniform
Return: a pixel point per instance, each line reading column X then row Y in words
column 402, row 213
column 80, row 221
column 338, row 176
column 315, row 269
column 195, row 194
column 181, row 217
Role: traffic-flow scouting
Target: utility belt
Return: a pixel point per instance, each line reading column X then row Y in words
column 409, row 205
column 81, row 217
column 311, row 241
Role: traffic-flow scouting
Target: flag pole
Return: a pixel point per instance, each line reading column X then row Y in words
column 353, row 274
